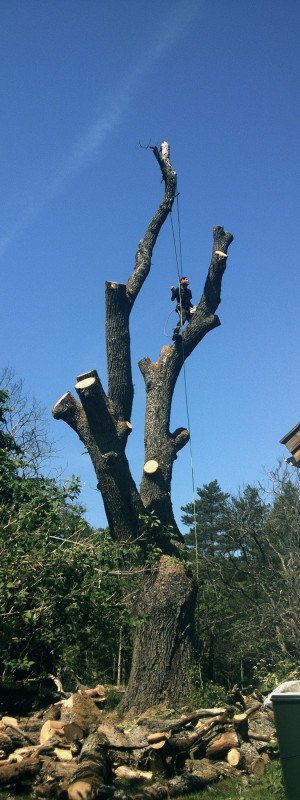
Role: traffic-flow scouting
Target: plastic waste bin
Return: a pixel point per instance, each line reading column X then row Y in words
column 287, row 719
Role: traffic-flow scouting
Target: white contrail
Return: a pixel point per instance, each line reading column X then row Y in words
column 85, row 149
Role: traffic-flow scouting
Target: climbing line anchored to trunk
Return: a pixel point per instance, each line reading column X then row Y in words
column 179, row 267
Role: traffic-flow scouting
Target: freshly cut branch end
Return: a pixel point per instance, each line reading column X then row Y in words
column 150, row 467
column 233, row 757
column 64, row 406
column 85, row 383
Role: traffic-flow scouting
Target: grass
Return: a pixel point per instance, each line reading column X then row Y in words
column 267, row 788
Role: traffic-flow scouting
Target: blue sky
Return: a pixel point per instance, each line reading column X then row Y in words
column 82, row 82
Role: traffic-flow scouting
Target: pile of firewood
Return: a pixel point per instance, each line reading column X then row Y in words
column 77, row 751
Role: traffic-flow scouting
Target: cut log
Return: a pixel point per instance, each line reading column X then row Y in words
column 207, row 770
column 12, row 721
column 185, row 784
column 124, row 773
column 12, row 774
column 203, row 723
column 151, row 466
column 172, row 725
column 93, row 771
column 159, row 745
column 202, row 713
column 116, row 738
column 62, row 754
column 83, row 713
column 51, row 728
column 46, row 748
column 81, row 790
column 240, row 722
column 97, row 691
column 222, row 744
column 185, row 740
column 73, row 732
column 251, row 761
column 12, row 737
column 259, row 736
column 233, row 757
column 256, row 707
column 153, row 738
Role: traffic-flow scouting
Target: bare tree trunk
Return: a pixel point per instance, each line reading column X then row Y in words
column 163, row 647
column 120, row 650
column 164, row 635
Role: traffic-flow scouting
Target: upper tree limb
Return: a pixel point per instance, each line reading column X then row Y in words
column 120, row 298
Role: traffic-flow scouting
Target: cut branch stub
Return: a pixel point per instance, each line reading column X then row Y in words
column 95, row 404
column 66, row 407
column 91, row 374
column 72, row 413
column 151, row 466
column 180, row 437
column 211, row 297
column 123, row 431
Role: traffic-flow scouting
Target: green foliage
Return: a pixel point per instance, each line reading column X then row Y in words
column 209, row 695
column 266, row 676
column 210, row 514
column 248, row 612
column 61, row 600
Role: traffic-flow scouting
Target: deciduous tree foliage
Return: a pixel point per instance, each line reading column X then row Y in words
column 55, row 612
column 248, row 605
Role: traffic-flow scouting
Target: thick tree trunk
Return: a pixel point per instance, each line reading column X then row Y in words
column 162, row 655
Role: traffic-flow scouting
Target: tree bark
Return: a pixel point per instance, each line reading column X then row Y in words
column 162, row 655
column 12, row 774
column 94, row 769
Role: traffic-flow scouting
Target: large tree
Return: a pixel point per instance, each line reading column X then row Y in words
column 164, row 637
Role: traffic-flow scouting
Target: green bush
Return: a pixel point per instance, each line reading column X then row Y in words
column 209, row 695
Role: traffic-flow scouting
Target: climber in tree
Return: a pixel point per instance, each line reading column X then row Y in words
column 184, row 306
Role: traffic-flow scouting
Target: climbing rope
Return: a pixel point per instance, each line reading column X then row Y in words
column 179, row 265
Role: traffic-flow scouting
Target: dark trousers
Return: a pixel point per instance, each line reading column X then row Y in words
column 184, row 316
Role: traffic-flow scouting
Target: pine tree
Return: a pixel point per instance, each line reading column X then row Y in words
column 211, row 512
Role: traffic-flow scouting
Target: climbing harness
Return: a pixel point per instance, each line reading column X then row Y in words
column 179, row 264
